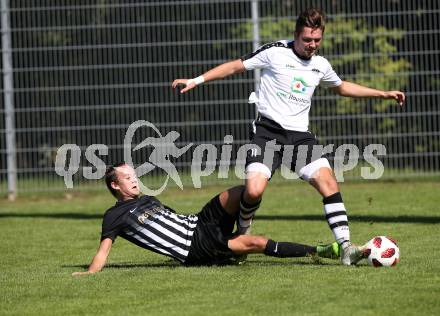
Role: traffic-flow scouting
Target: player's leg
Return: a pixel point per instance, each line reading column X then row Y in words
column 246, row 244
column 251, row 197
column 309, row 163
column 215, row 240
column 261, row 161
column 244, row 200
column 230, row 200
column 320, row 175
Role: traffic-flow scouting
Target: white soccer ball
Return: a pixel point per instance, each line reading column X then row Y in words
column 382, row 251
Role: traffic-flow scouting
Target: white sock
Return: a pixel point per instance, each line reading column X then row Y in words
column 336, row 216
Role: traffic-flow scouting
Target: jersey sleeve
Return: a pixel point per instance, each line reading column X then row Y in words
column 330, row 78
column 258, row 59
column 112, row 234
column 111, row 227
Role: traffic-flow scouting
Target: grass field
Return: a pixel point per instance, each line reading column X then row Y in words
column 45, row 239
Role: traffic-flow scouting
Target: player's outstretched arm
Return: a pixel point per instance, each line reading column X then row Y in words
column 350, row 89
column 99, row 259
column 219, row 72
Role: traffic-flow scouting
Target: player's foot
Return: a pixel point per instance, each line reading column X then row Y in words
column 351, row 254
column 331, row 251
column 240, row 259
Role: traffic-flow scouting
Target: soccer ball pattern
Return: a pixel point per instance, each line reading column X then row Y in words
column 382, row 251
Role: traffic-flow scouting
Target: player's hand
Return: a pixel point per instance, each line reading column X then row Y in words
column 396, row 95
column 75, row 274
column 189, row 84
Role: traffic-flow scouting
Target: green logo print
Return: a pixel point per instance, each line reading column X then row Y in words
column 299, row 85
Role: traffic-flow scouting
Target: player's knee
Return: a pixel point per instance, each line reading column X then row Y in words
column 327, row 176
column 332, row 186
column 254, row 193
column 254, row 189
column 315, row 170
column 325, row 179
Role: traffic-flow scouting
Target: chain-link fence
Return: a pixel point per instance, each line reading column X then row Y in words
column 82, row 73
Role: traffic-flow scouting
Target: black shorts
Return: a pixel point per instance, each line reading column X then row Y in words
column 269, row 134
column 209, row 244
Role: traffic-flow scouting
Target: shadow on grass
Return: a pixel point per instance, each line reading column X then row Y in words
column 174, row 264
column 356, row 218
column 126, row 265
column 287, row 262
column 280, row 217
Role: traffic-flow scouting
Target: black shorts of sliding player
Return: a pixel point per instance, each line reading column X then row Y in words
column 209, row 244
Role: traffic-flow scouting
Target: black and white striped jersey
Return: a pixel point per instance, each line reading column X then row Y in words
column 149, row 224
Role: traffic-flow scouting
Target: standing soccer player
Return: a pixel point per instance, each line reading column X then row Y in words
column 291, row 70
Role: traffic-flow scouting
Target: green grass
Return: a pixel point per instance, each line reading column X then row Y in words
column 46, row 238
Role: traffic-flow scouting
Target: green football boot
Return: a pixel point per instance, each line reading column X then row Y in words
column 332, row 251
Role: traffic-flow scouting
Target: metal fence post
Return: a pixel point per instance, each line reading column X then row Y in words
column 8, row 88
column 255, row 43
column 255, row 38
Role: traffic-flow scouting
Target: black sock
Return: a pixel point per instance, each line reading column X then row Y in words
column 287, row 249
column 247, row 211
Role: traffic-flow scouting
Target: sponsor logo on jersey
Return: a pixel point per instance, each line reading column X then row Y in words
column 290, row 66
column 299, row 85
column 282, row 94
column 143, row 217
column 293, row 98
column 299, row 101
column 148, row 213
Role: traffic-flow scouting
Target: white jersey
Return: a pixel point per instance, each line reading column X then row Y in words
column 287, row 83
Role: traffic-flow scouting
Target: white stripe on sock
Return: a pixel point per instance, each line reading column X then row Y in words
column 341, row 233
column 334, row 207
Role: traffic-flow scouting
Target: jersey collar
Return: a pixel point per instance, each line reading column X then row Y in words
column 290, row 45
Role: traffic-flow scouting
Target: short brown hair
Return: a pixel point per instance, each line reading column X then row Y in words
column 110, row 176
column 311, row 17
